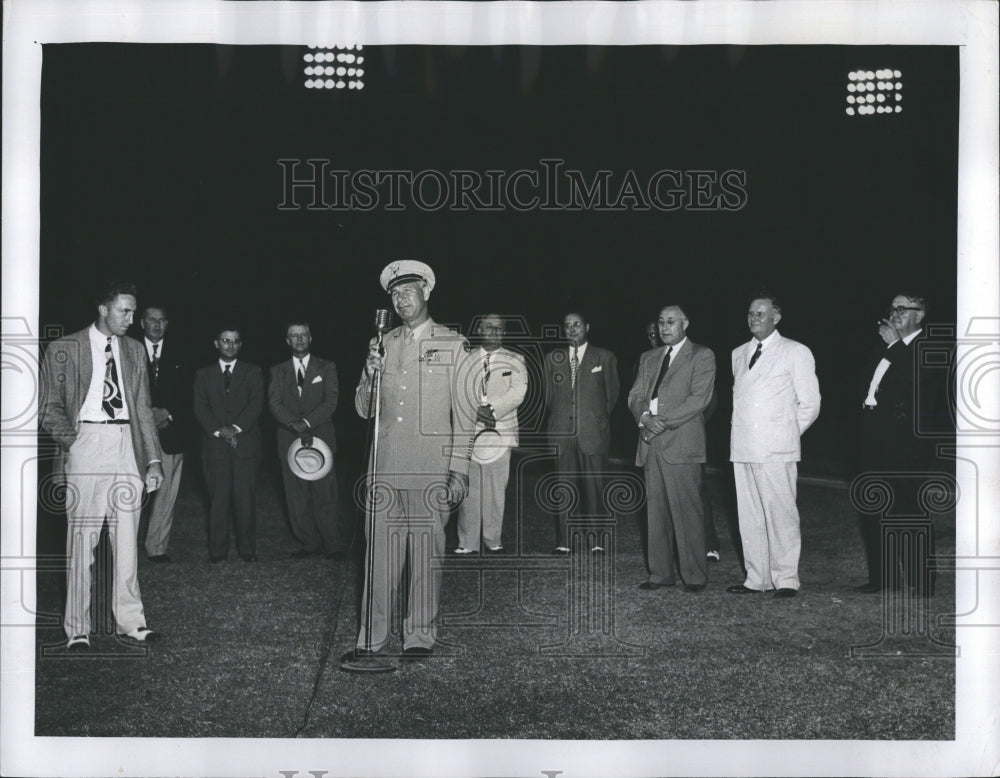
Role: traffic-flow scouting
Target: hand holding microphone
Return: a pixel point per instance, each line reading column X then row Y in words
column 375, row 362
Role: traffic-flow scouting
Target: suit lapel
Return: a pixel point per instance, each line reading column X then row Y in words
column 676, row 363
column 86, row 365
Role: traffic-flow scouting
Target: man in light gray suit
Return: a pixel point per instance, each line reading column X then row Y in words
column 775, row 399
column 96, row 404
column 495, row 381
column 668, row 401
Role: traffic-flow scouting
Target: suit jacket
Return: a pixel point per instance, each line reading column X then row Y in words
column 66, row 374
column 169, row 387
column 774, row 403
column 684, row 397
column 420, row 396
column 583, row 413
column 316, row 405
column 504, row 391
column 241, row 406
column 888, row 436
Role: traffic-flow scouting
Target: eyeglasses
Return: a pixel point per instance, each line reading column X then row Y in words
column 758, row 314
column 902, row 309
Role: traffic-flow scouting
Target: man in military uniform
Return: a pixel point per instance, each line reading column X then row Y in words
column 422, row 469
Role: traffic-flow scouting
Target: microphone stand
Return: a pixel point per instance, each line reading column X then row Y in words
column 370, row 663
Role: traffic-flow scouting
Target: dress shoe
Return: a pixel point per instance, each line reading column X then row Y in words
column 78, row 644
column 694, row 588
column 713, row 555
column 560, row 551
column 142, row 635
column 784, row 593
column 248, row 557
column 495, row 549
column 868, row 588
column 159, row 558
column 462, row 551
column 414, row 653
column 302, row 553
column 361, row 653
column 597, row 550
column 649, row 586
column 741, row 589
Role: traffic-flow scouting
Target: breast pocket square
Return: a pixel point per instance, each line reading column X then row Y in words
column 317, row 379
column 597, row 369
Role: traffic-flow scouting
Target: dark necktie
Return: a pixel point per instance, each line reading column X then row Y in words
column 112, row 400
column 574, row 368
column 300, row 379
column 227, row 377
column 756, row 355
column 156, row 363
column 663, row 371
column 486, row 373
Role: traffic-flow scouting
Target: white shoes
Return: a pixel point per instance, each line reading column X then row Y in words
column 463, row 550
column 713, row 555
column 142, row 635
column 78, row 643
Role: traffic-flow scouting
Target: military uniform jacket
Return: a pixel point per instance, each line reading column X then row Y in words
column 417, row 443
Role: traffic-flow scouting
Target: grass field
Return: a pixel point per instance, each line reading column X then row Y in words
column 252, row 649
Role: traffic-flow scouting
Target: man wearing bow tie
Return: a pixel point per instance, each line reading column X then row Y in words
column 95, row 403
column 170, row 393
column 581, row 389
column 302, row 396
column 775, row 400
column 671, row 393
column 228, row 400
column 495, row 380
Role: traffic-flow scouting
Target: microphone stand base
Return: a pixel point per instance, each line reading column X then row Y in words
column 351, row 662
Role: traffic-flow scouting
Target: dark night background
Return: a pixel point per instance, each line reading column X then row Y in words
column 160, row 163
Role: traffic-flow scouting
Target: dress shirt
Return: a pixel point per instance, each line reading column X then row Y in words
column 301, row 362
column 149, row 348
column 92, row 410
column 882, row 367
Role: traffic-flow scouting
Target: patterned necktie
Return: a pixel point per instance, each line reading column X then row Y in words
column 663, row 371
column 156, row 363
column 112, row 400
column 227, row 377
column 300, row 378
column 486, row 373
column 756, row 355
column 574, row 368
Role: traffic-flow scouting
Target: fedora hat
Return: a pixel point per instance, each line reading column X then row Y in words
column 310, row 463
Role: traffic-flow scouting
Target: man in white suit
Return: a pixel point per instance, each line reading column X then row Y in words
column 775, row 399
column 495, row 379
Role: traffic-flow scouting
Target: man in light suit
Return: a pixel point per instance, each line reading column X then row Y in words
column 422, row 468
column 170, row 392
column 668, row 401
column 495, row 380
column 302, row 396
column 581, row 388
column 775, row 399
column 96, row 405
column 228, row 400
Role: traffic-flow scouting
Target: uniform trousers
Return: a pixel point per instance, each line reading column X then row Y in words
column 675, row 513
column 163, row 500
column 769, row 523
column 312, row 511
column 232, row 487
column 409, row 529
column 481, row 512
column 585, row 474
column 102, row 483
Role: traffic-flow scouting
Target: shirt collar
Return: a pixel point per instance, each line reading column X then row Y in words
column 304, row 360
column 150, row 344
column 763, row 343
column 677, row 346
column 580, row 350
column 422, row 330
column 909, row 338
column 223, row 363
column 98, row 338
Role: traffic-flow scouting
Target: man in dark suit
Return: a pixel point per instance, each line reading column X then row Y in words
column 95, row 403
column 170, row 393
column 668, row 401
column 897, row 388
column 302, row 396
column 581, row 388
column 228, row 400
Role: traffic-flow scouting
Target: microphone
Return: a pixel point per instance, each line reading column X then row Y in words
column 382, row 318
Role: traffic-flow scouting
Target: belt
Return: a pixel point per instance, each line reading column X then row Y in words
column 109, row 421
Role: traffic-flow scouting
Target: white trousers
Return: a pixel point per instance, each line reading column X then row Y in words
column 102, row 483
column 481, row 512
column 161, row 514
column 769, row 523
